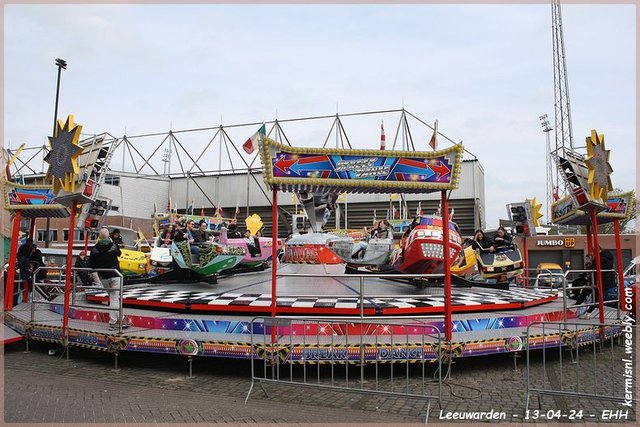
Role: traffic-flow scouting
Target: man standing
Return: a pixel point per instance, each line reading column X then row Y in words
column 105, row 254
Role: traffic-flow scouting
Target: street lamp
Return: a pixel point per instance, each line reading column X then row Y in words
column 60, row 63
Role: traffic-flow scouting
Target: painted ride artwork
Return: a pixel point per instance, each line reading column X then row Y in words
column 213, row 257
column 421, row 246
column 377, row 253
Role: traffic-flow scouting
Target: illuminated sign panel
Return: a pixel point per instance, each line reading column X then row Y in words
column 293, row 169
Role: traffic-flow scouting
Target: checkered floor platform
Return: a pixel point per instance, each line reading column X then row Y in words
column 459, row 298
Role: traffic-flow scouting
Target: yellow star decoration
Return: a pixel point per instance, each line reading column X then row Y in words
column 63, row 157
column 254, row 223
column 597, row 162
column 535, row 211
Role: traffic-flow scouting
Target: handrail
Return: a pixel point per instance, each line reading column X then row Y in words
column 360, row 278
column 120, row 288
column 592, row 285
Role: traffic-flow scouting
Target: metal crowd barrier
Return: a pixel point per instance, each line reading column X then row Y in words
column 353, row 355
column 40, row 289
column 597, row 376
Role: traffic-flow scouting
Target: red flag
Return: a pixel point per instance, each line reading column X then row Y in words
column 382, row 137
column 434, row 138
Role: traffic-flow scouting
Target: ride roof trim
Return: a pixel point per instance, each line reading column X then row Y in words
column 295, row 169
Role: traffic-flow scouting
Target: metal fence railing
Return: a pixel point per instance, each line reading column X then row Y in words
column 366, row 356
column 595, row 369
column 362, row 295
column 584, row 297
column 54, row 283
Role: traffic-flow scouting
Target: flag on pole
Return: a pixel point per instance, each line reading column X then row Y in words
column 382, row 137
column 434, row 138
column 202, row 211
column 251, row 144
column 419, row 209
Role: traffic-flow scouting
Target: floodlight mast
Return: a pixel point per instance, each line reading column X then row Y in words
column 546, row 128
column 563, row 129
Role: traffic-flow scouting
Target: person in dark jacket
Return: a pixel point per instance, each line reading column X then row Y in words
column 233, row 232
column 501, row 239
column 179, row 234
column 83, row 262
column 35, row 261
column 609, row 288
column 24, row 252
column 480, row 242
column 104, row 254
column 201, row 235
column 117, row 238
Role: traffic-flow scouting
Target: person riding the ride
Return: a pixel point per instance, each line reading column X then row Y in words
column 117, row 238
column 502, row 239
column 481, row 243
column 201, row 234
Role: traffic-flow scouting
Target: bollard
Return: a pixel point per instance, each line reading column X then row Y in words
column 115, row 362
column 190, row 361
column 515, row 355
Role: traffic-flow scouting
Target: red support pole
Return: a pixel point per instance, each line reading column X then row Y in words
column 589, row 241
column 616, row 228
column 526, row 262
column 448, row 332
column 67, row 287
column 596, row 247
column 274, row 258
column 87, row 232
column 32, row 229
column 13, row 254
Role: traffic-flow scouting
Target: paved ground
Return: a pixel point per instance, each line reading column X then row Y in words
column 156, row 388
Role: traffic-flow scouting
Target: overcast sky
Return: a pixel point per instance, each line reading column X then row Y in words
column 484, row 71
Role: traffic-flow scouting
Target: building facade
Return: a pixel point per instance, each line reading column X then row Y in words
column 135, row 197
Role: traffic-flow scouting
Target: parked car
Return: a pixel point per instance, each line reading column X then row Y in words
column 549, row 275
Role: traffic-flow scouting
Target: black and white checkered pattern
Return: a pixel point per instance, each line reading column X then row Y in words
column 459, row 298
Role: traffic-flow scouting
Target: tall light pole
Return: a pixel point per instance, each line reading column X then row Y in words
column 60, row 63
column 546, row 128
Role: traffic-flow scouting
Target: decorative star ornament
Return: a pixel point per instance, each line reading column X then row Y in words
column 63, row 157
column 597, row 162
column 536, row 210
